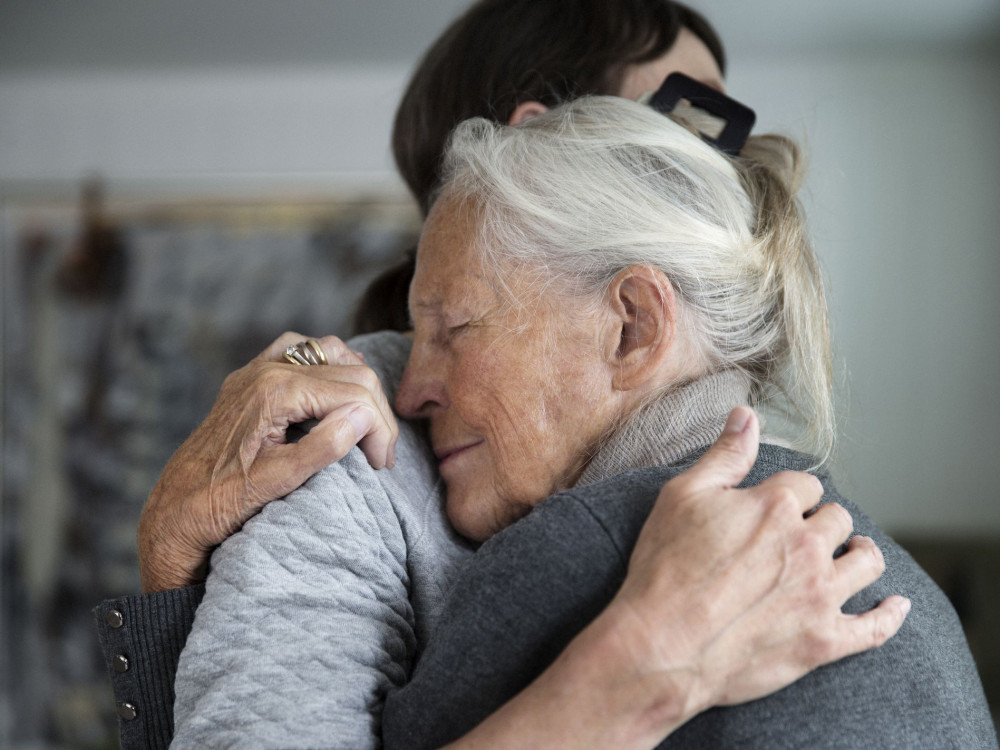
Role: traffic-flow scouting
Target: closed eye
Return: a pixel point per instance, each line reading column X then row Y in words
column 455, row 330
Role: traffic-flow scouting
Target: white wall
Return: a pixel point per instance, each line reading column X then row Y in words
column 239, row 126
column 904, row 199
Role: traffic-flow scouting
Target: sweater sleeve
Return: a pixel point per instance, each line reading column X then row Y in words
column 305, row 623
column 141, row 638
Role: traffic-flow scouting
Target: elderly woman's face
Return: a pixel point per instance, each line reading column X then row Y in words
column 516, row 394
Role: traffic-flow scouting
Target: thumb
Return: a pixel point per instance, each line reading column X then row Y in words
column 728, row 460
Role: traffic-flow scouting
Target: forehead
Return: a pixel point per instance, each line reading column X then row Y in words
column 688, row 55
column 449, row 267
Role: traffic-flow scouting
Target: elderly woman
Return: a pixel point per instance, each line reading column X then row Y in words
column 563, row 337
column 595, row 291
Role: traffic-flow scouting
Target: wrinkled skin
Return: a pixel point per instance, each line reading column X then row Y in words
column 238, row 459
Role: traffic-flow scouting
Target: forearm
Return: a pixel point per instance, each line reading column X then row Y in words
column 167, row 559
column 595, row 695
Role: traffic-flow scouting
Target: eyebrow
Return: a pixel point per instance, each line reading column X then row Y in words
column 426, row 305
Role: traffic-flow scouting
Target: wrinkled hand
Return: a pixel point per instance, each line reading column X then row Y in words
column 734, row 593
column 238, row 459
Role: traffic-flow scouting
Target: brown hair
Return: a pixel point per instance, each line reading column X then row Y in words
column 501, row 53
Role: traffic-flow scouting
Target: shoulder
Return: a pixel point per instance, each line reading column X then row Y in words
column 920, row 689
column 606, row 515
column 386, row 352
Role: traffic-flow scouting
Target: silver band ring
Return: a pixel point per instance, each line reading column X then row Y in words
column 305, row 353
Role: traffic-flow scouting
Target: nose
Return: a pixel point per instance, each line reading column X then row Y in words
column 422, row 389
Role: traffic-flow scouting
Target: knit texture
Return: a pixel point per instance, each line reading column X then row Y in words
column 683, row 420
column 153, row 631
column 531, row 588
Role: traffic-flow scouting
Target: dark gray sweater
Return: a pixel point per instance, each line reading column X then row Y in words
column 531, row 588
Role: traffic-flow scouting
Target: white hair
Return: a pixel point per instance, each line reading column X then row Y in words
column 600, row 184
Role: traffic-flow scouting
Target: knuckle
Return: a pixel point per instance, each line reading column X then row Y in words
column 334, row 341
column 879, row 629
column 234, row 379
column 818, row 487
column 782, row 502
column 876, row 557
column 269, row 382
column 334, row 344
column 370, row 380
column 846, row 519
column 814, row 555
column 269, row 376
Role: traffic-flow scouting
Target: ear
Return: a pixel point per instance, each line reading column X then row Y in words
column 525, row 111
column 642, row 336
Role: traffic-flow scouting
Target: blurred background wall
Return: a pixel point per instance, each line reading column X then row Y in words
column 278, row 115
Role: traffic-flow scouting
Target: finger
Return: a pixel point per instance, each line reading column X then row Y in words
column 360, row 376
column 873, row 628
column 367, row 430
column 277, row 347
column 861, row 565
column 313, row 392
column 833, row 523
column 727, row 461
column 805, row 488
column 338, row 353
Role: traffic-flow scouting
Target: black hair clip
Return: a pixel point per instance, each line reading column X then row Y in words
column 739, row 118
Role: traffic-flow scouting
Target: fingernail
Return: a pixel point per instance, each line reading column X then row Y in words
column 905, row 605
column 392, row 456
column 738, row 420
column 361, row 422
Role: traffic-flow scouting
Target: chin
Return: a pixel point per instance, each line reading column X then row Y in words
column 468, row 510
column 478, row 515
column 468, row 525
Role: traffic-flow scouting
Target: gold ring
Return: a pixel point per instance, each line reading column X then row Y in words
column 305, row 353
column 317, row 351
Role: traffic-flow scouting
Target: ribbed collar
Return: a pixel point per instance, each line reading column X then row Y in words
column 671, row 427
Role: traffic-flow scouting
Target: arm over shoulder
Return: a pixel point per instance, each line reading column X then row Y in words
column 531, row 589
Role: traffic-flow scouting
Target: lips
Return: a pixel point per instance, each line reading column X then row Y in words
column 443, row 454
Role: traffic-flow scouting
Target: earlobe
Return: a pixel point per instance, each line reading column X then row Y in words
column 642, row 306
column 525, row 111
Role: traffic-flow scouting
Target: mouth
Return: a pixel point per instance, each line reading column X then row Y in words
column 445, row 455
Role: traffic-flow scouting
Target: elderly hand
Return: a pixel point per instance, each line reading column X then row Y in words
column 744, row 578
column 239, row 459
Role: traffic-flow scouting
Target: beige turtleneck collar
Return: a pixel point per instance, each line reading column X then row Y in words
column 671, row 427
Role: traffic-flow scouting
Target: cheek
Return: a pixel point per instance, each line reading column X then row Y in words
column 538, row 435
